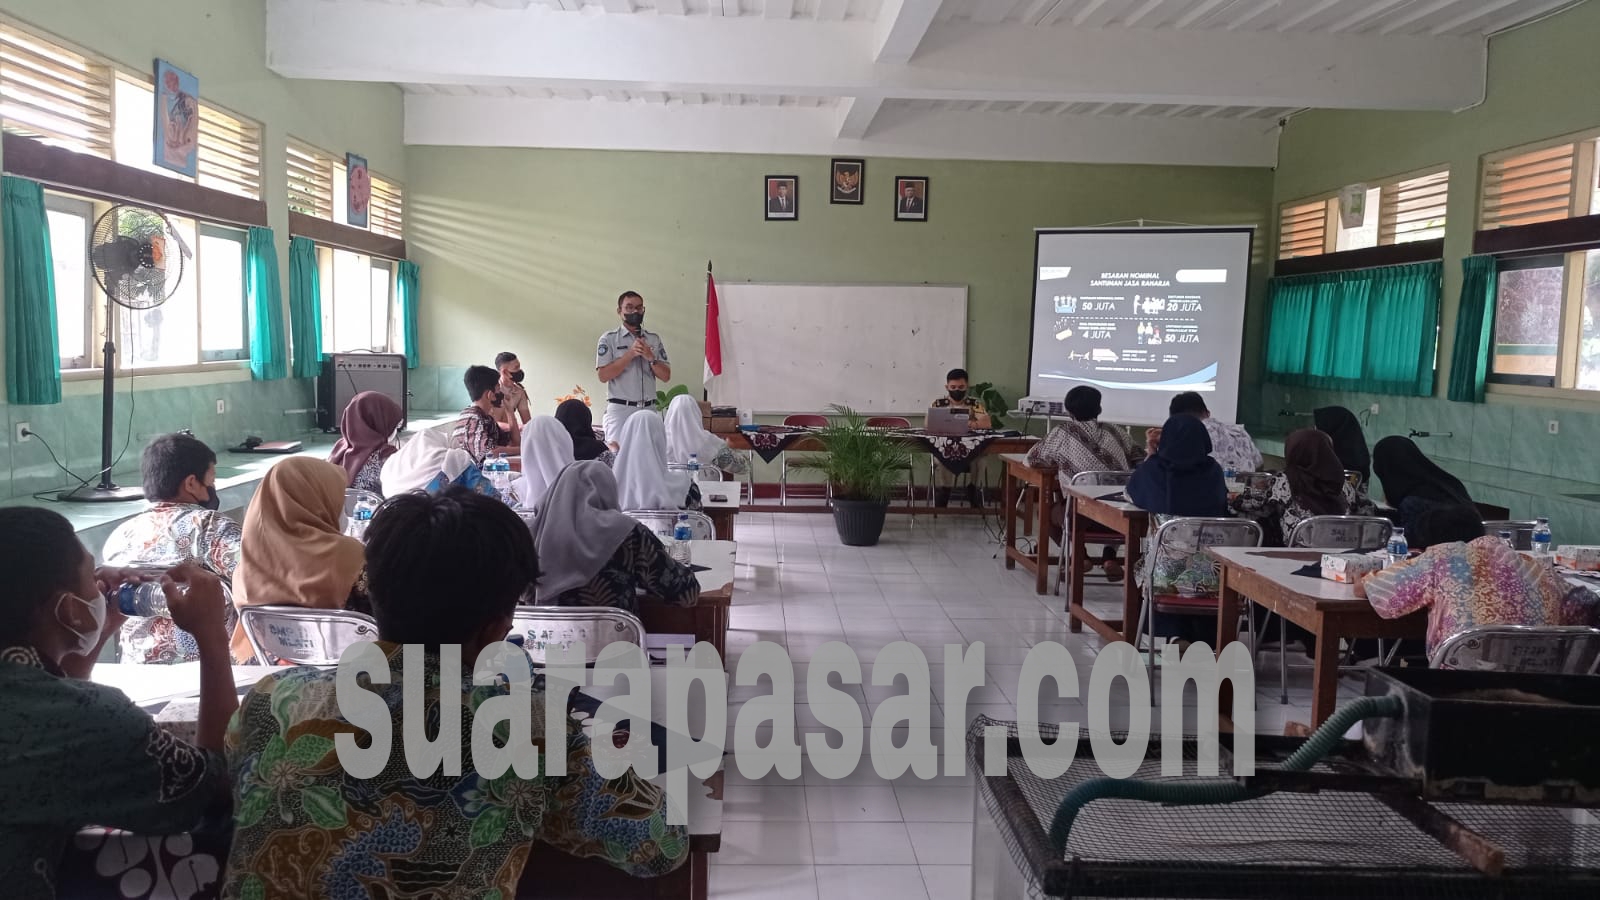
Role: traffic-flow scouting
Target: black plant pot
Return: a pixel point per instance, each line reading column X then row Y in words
column 859, row 522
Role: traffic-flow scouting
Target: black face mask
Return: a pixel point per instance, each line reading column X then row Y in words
column 633, row 320
column 516, row 377
column 958, row 396
column 499, row 398
column 212, row 501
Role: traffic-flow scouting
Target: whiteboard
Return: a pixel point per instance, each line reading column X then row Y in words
column 877, row 348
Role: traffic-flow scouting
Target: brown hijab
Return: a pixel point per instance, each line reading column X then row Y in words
column 292, row 552
column 1316, row 476
column 364, row 430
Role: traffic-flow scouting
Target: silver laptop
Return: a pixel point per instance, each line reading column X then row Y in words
column 949, row 421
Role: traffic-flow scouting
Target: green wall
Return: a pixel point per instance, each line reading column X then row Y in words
column 223, row 42
column 527, row 250
column 1541, row 85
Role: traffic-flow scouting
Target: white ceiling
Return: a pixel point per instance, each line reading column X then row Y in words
column 1155, row 81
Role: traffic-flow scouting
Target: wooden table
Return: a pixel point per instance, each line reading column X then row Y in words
column 1329, row 610
column 1086, row 507
column 1020, row 478
column 708, row 619
column 721, row 512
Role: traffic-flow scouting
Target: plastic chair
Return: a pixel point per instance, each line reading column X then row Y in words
column 666, row 521
column 1521, row 531
column 1183, row 538
column 799, row 420
column 301, row 636
column 1093, row 535
column 547, row 628
column 1541, row 649
column 1361, row 533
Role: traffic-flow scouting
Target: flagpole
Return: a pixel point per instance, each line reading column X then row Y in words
column 705, row 392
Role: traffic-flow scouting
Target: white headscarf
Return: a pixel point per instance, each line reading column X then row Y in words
column 579, row 528
column 643, row 481
column 415, row 463
column 685, row 434
column 546, row 450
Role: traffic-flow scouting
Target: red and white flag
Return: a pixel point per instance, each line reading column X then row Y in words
column 713, row 332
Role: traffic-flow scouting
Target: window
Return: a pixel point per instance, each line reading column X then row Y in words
column 1527, row 321
column 54, row 94
column 230, row 147
column 357, row 300
column 387, row 210
column 1400, row 210
column 1538, row 184
column 70, row 220
column 318, row 186
column 203, row 321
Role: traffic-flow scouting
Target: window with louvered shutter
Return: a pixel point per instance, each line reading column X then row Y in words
column 54, row 94
column 1528, row 187
column 230, row 153
column 1303, row 229
column 310, row 180
column 385, row 214
column 1414, row 209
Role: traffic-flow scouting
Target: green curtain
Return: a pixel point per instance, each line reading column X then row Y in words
column 406, row 290
column 1372, row 330
column 1469, row 363
column 269, row 355
column 305, row 308
column 33, row 360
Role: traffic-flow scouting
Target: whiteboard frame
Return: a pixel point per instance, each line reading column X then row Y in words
column 966, row 301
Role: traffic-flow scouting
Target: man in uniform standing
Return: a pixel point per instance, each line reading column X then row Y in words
column 630, row 361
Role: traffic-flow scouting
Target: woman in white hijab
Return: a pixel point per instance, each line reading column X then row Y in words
column 643, row 479
column 686, row 435
column 415, row 463
column 546, row 450
column 591, row 554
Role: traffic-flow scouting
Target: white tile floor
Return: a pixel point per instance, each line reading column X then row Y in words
column 934, row 583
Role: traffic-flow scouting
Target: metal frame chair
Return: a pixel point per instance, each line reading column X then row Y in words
column 301, row 636
column 706, row 473
column 1521, row 530
column 799, row 420
column 545, row 627
column 910, row 467
column 700, row 525
column 1369, row 533
column 1544, row 649
column 1104, row 537
column 1185, row 537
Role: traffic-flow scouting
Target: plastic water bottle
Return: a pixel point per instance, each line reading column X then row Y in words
column 694, row 466
column 358, row 525
column 1398, row 548
column 1541, row 538
column 145, row 599
column 682, row 534
column 498, row 469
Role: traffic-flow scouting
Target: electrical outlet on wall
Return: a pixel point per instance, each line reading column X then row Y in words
column 23, row 434
column 222, row 406
column 1374, row 409
column 1555, row 426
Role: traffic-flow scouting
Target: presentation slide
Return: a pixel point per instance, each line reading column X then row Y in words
column 1142, row 314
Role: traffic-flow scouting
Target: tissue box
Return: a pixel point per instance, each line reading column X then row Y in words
column 1345, row 568
column 1585, row 557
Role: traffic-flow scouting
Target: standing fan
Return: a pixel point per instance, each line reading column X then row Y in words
column 138, row 259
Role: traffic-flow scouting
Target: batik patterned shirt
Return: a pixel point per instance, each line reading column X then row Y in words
column 1482, row 583
column 1075, row 446
column 640, row 564
column 479, row 434
column 1278, row 511
column 161, row 537
column 74, row 753
column 370, row 477
column 304, row 828
column 1232, row 446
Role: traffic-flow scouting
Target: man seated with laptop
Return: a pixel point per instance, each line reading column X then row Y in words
column 954, row 414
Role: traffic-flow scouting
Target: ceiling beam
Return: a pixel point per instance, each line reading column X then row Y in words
column 901, row 26
column 750, row 54
column 856, row 115
column 896, row 131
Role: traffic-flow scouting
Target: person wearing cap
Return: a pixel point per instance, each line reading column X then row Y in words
column 630, row 360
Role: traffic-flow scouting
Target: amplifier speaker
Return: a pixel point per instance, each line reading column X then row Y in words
column 345, row 375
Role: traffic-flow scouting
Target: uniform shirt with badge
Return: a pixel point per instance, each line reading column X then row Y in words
column 637, row 382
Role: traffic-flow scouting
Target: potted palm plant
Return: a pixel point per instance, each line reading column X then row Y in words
column 861, row 465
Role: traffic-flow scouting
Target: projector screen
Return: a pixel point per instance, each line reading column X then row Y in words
column 1142, row 314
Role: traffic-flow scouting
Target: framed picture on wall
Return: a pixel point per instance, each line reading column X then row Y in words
column 358, row 190
column 910, row 198
column 177, row 134
column 783, row 198
column 849, row 181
